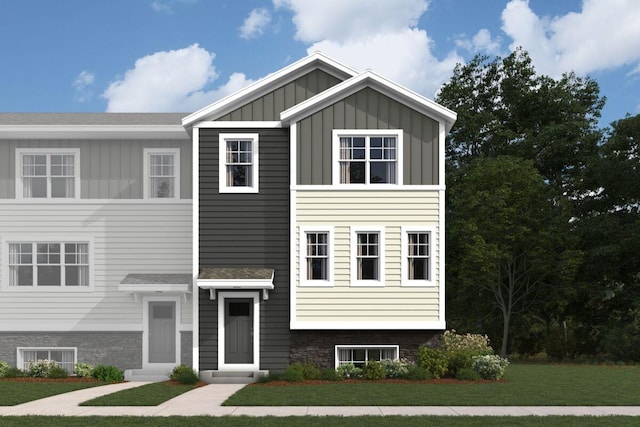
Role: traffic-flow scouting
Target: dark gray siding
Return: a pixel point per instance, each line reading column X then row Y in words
column 109, row 169
column 367, row 109
column 269, row 106
column 248, row 230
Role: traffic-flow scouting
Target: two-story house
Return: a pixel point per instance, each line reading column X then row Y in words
column 299, row 219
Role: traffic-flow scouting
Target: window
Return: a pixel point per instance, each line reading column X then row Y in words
column 65, row 357
column 367, row 157
column 48, row 174
column 239, row 163
column 316, row 260
column 162, row 174
column 417, row 257
column 367, row 263
column 49, row 264
column 359, row 355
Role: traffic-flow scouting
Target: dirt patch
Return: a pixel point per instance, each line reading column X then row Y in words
column 386, row 381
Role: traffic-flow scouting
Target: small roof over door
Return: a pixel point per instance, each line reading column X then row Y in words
column 237, row 278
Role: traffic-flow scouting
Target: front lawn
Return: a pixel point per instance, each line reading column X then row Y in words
column 151, row 394
column 17, row 391
column 524, row 385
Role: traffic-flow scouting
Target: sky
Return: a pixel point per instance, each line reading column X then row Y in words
column 181, row 55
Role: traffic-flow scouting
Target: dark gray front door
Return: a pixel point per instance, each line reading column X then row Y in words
column 238, row 331
column 162, row 332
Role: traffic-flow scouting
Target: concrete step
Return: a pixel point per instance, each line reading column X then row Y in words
column 146, row 375
column 231, row 377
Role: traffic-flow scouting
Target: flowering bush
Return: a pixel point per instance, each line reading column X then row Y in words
column 490, row 367
column 4, row 367
column 397, row 368
column 476, row 343
column 349, row 370
column 41, row 368
column 83, row 370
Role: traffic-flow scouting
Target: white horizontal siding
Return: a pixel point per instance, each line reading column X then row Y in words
column 127, row 238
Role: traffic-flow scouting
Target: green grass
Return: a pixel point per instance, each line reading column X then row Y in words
column 151, row 394
column 526, row 385
column 17, row 392
column 369, row 421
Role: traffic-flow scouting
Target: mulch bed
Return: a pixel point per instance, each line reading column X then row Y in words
column 386, row 381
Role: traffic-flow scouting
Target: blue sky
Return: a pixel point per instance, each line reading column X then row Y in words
column 180, row 55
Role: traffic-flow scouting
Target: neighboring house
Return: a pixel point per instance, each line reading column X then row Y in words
column 304, row 223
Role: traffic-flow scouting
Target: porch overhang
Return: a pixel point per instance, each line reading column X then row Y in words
column 236, row 278
column 153, row 284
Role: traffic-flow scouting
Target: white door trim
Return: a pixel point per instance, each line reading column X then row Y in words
column 145, row 332
column 256, row 331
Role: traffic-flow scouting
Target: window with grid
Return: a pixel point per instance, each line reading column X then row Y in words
column 162, row 176
column 361, row 355
column 317, row 256
column 64, row 357
column 57, row 264
column 368, row 159
column 239, row 163
column 368, row 256
column 418, row 256
column 48, row 175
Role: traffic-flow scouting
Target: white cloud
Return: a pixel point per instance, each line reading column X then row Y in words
column 166, row 6
column 173, row 80
column 255, row 23
column 605, row 34
column 480, row 42
column 82, row 85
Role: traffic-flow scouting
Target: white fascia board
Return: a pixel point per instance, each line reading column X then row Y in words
column 209, row 124
column 93, row 132
column 268, row 83
column 370, row 79
column 367, row 325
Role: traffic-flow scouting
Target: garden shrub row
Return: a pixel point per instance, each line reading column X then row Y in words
column 45, row 368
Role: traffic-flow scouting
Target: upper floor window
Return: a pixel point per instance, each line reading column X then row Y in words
column 162, row 173
column 367, row 256
column 239, row 163
column 417, row 257
column 48, row 173
column 367, row 157
column 316, row 263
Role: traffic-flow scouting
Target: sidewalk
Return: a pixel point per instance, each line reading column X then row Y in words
column 208, row 400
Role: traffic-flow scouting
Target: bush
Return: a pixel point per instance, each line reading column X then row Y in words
column 349, row 371
column 14, row 373
column 397, row 368
column 107, row 373
column 83, row 370
column 4, row 367
column 330, row 375
column 309, row 370
column 293, row 374
column 475, row 343
column 433, row 360
column 459, row 359
column 416, row 373
column 57, row 372
column 184, row 374
column 374, row 370
column 41, row 368
column 490, row 367
column 272, row 376
column 467, row 374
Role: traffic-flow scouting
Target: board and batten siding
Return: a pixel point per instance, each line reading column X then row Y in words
column 109, row 169
column 247, row 230
column 269, row 106
column 367, row 109
column 388, row 209
column 127, row 237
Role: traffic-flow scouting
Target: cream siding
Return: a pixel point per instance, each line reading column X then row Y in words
column 389, row 209
column 127, row 237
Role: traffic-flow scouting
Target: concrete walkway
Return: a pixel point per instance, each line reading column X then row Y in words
column 208, row 400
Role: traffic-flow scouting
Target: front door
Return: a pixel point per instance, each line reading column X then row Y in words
column 238, row 330
column 162, row 332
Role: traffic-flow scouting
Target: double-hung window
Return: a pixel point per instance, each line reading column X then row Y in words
column 239, row 167
column 417, row 256
column 367, row 256
column 49, row 264
column 367, row 157
column 316, row 259
column 51, row 173
column 162, row 173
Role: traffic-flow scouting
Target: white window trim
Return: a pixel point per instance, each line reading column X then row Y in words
column 47, row 151
column 303, row 256
column 222, row 169
column 354, row 252
column 337, row 349
column 404, row 254
column 20, row 353
column 38, row 238
column 335, row 153
column 147, row 152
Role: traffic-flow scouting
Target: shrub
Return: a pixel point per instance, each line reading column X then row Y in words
column 14, row 373
column 374, row 370
column 476, row 343
column 272, row 376
column 83, row 370
column 41, row 368
column 490, row 367
column 57, row 372
column 433, row 360
column 4, row 367
column 349, row 370
column 293, row 374
column 459, row 359
column 416, row 373
column 309, row 370
column 467, row 374
column 184, row 374
column 397, row 368
column 330, row 375
column 107, row 373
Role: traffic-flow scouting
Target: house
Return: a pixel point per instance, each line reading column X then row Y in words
column 299, row 219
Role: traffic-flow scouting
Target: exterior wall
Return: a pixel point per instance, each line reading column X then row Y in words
column 268, row 107
column 109, row 169
column 247, row 230
column 186, row 350
column 341, row 303
column 121, row 349
column 367, row 109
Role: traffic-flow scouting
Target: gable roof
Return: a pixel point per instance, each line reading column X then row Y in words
column 269, row 83
column 372, row 80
